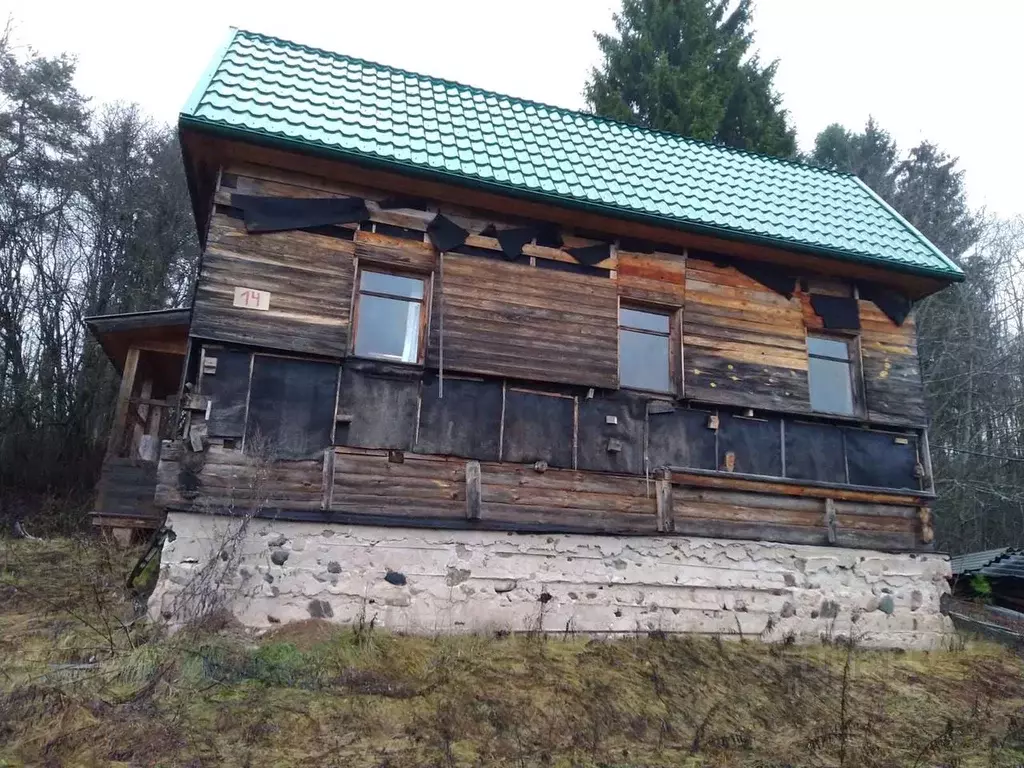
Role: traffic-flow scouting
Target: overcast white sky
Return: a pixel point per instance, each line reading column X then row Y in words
column 950, row 71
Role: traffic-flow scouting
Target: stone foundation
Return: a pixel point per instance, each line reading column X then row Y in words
column 433, row 581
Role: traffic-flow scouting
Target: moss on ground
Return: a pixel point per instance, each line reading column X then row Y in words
column 84, row 683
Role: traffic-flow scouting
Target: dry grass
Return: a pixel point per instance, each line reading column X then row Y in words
column 313, row 694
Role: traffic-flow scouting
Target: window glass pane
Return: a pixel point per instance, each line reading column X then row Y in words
column 393, row 284
column 831, row 386
column 649, row 321
column 643, row 361
column 388, row 328
column 828, row 347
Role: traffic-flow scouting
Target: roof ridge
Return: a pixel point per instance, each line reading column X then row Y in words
column 543, row 105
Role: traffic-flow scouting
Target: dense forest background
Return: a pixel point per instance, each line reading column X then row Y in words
column 95, row 219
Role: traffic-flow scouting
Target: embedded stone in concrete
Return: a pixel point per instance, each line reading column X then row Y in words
column 277, row 541
column 456, row 576
column 334, row 567
column 320, row 609
column 279, row 557
column 829, row 609
column 668, row 584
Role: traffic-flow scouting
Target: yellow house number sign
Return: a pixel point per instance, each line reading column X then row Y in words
column 250, row 298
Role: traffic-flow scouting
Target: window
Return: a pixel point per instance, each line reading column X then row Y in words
column 831, row 371
column 389, row 316
column 644, row 343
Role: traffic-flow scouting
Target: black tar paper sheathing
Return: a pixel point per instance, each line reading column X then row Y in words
column 837, row 312
column 278, row 214
column 445, row 234
column 401, row 201
column 513, row 240
column 591, row 255
column 895, row 305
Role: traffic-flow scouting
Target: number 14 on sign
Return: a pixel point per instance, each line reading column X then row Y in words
column 250, row 298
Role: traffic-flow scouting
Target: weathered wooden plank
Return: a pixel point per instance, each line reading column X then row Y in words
column 473, row 490
column 515, row 320
column 308, row 276
column 665, row 503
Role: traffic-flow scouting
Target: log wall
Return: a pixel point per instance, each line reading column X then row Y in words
column 743, row 343
column 525, row 322
column 378, row 487
column 529, row 362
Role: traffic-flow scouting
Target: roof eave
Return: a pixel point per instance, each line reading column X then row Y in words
column 309, row 148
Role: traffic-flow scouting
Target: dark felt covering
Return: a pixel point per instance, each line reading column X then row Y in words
column 538, row 427
column 403, row 201
column 594, row 433
column 815, row 452
column 276, row 214
column 513, row 240
column 681, row 438
column 383, row 410
column 549, row 236
column 768, row 275
column 466, row 422
column 876, row 459
column 590, row 255
column 291, row 407
column 227, row 389
column 636, row 246
column 895, row 305
column 837, row 312
column 445, row 234
column 757, row 444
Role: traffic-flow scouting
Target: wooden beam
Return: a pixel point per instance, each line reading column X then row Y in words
column 473, row 493
column 783, row 488
column 328, row 478
column 124, row 393
column 830, row 520
column 663, row 493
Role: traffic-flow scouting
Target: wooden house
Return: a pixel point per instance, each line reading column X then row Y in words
column 463, row 361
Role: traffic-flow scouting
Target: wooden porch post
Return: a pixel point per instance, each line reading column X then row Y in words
column 131, row 365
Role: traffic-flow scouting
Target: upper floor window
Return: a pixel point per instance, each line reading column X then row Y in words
column 389, row 316
column 645, row 349
column 832, row 374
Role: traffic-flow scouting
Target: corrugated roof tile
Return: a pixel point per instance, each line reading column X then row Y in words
column 278, row 90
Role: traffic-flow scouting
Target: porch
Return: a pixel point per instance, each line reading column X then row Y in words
column 148, row 349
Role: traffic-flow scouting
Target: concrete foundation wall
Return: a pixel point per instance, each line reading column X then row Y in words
column 429, row 581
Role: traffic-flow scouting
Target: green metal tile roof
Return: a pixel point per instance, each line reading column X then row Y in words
column 265, row 89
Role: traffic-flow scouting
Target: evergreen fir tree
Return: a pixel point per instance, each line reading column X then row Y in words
column 686, row 66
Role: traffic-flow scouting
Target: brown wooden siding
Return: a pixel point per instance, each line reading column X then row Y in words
column 309, row 278
column 219, row 478
column 893, row 389
column 369, row 484
column 525, row 322
column 652, row 278
column 743, row 343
